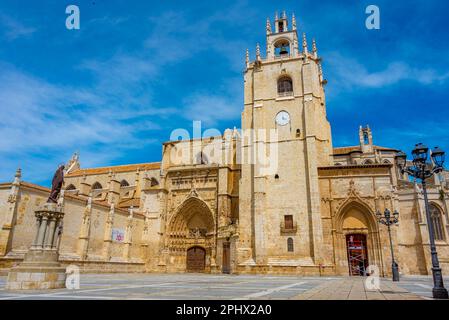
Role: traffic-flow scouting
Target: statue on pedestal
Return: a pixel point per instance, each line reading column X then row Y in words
column 40, row 268
column 56, row 185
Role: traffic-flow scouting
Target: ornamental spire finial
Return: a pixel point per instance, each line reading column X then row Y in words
column 258, row 52
column 314, row 49
column 304, row 43
column 18, row 173
column 293, row 22
column 17, row 177
column 268, row 26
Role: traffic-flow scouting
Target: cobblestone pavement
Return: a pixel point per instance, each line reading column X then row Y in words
column 227, row 287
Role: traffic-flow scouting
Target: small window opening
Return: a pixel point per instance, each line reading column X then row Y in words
column 290, row 245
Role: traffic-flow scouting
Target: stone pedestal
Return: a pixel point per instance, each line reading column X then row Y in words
column 40, row 268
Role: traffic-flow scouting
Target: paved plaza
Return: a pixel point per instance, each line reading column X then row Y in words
column 228, row 287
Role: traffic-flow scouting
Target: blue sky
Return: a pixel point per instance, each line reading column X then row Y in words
column 115, row 89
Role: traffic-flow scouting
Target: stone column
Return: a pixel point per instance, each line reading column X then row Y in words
column 107, row 239
column 38, row 225
column 58, row 235
column 40, row 268
column 114, row 190
column 83, row 239
column 128, row 235
column 6, row 230
column 42, row 229
column 145, row 238
column 48, row 243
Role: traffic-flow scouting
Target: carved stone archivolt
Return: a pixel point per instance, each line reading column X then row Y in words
column 192, row 207
column 191, row 224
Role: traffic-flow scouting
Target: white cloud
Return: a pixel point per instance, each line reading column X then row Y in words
column 39, row 114
column 120, row 69
column 44, row 122
column 176, row 38
column 209, row 109
column 14, row 29
column 347, row 73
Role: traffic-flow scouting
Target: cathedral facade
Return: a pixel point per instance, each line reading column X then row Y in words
column 274, row 197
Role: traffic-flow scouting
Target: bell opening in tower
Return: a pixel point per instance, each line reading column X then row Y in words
column 281, row 26
column 282, row 48
column 365, row 137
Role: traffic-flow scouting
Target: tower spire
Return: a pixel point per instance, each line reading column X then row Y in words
column 258, row 52
column 17, row 177
column 304, row 44
column 293, row 22
column 18, row 173
column 268, row 26
column 247, row 58
column 314, row 49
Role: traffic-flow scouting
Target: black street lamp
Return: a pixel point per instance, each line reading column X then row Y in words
column 423, row 170
column 388, row 220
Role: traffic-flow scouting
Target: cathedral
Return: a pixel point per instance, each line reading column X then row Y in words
column 275, row 197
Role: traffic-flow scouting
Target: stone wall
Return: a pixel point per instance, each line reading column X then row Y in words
column 366, row 189
column 86, row 239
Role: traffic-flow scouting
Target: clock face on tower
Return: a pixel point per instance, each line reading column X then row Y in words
column 282, row 118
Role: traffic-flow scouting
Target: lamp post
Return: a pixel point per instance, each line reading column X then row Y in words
column 423, row 170
column 388, row 220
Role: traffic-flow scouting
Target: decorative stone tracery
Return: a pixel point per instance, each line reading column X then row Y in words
column 192, row 224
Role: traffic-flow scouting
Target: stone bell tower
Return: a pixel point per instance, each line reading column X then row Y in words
column 284, row 118
column 366, row 139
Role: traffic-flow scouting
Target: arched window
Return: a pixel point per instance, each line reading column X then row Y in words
column 124, row 183
column 290, row 245
column 365, row 137
column 97, row 186
column 285, row 86
column 368, row 161
column 70, row 187
column 281, row 26
column 437, row 223
column 386, row 161
column 201, row 158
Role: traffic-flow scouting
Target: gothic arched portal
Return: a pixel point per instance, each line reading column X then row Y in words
column 357, row 239
column 190, row 236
